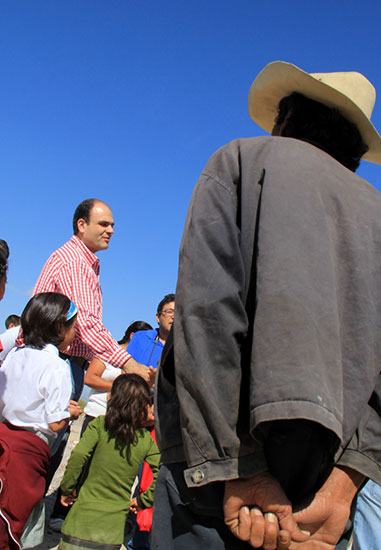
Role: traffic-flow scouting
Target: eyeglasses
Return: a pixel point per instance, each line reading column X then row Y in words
column 167, row 312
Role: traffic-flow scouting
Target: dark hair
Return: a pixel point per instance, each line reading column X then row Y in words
column 168, row 298
column 134, row 327
column 12, row 319
column 322, row 126
column 44, row 317
column 127, row 409
column 4, row 255
column 83, row 212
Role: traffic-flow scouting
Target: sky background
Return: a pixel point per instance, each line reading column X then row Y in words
column 125, row 100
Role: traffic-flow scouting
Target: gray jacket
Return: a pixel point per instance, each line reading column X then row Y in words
column 278, row 311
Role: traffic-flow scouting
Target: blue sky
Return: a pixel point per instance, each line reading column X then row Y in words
column 125, row 100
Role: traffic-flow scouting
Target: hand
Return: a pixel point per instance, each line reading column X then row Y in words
column 74, row 410
column 326, row 516
column 133, row 367
column 263, row 492
column 68, row 500
column 134, row 506
column 152, row 374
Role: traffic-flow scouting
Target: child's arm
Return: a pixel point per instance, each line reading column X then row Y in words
column 81, row 452
column 145, row 499
column 93, row 376
column 74, row 410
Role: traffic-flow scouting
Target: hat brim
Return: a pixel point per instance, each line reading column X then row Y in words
column 279, row 79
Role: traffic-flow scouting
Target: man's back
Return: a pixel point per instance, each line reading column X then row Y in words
column 281, row 246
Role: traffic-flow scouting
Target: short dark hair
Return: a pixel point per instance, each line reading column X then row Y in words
column 44, row 317
column 134, row 327
column 4, row 255
column 127, row 409
column 322, row 126
column 12, row 319
column 168, row 298
column 83, row 212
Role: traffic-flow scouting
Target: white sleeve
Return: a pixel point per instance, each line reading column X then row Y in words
column 55, row 386
column 8, row 341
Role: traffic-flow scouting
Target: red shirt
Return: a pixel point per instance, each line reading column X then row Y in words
column 73, row 270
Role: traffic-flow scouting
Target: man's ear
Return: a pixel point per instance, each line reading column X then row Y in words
column 157, row 319
column 81, row 224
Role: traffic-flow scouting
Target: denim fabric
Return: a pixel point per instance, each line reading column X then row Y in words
column 367, row 523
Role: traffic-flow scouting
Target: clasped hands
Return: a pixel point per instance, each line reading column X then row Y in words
column 257, row 510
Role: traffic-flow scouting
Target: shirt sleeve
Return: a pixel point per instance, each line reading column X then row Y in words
column 78, row 282
column 80, row 454
column 209, row 327
column 363, row 452
column 55, row 386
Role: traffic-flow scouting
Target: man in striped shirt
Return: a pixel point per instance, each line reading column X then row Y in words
column 73, row 270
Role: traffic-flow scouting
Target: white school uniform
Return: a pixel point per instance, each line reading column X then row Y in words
column 35, row 388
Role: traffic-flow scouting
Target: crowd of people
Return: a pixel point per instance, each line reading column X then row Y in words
column 267, row 395
column 47, row 354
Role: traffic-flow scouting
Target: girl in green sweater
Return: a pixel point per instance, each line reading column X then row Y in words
column 118, row 443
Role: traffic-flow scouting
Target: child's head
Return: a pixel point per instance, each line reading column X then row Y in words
column 49, row 318
column 127, row 407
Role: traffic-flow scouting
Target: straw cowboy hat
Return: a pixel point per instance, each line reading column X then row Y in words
column 350, row 92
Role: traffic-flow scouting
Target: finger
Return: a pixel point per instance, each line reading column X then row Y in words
column 289, row 524
column 244, row 524
column 271, row 531
column 284, row 540
column 257, row 531
column 239, row 524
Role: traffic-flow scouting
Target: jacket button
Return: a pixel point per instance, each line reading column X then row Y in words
column 198, row 476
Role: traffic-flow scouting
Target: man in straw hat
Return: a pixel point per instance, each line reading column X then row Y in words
column 268, row 394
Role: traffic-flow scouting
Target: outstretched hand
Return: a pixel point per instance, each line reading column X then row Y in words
column 272, row 529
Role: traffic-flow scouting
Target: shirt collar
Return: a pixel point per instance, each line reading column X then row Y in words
column 90, row 257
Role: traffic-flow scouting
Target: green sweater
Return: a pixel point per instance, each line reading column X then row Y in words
column 100, row 511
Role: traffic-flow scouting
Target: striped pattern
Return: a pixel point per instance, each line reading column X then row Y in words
column 73, row 270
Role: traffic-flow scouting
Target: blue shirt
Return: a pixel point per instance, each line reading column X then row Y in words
column 145, row 347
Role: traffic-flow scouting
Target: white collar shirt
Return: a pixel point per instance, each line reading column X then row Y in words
column 35, row 388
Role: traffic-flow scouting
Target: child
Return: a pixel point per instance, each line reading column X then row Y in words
column 35, row 387
column 118, row 444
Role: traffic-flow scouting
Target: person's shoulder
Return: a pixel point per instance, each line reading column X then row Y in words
column 145, row 334
column 70, row 253
column 227, row 160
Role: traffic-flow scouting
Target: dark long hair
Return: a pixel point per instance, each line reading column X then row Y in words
column 44, row 317
column 127, row 408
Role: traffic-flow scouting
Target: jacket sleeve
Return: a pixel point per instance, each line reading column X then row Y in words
column 145, row 499
column 80, row 454
column 363, row 452
column 209, row 327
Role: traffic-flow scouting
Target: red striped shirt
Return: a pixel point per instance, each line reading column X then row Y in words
column 73, row 270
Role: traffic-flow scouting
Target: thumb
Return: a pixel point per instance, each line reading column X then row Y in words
column 288, row 523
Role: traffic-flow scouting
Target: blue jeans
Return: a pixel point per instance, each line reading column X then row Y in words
column 367, row 522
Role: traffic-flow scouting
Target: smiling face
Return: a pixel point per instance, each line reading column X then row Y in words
column 96, row 234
